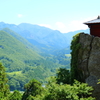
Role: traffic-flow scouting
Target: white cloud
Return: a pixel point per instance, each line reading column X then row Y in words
column 60, row 25
column 45, row 25
column 69, row 26
column 73, row 25
column 77, row 25
column 19, row 15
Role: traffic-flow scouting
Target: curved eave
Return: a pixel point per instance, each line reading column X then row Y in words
column 91, row 23
column 95, row 21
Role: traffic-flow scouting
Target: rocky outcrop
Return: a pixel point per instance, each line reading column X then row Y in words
column 89, row 61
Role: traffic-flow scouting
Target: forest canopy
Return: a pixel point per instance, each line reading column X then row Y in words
column 52, row 90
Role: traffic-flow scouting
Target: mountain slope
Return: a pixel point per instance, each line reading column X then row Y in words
column 14, row 50
column 21, row 39
column 22, row 62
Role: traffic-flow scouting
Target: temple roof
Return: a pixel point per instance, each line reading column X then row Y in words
column 93, row 21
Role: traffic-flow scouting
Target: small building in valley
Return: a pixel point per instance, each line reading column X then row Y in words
column 94, row 26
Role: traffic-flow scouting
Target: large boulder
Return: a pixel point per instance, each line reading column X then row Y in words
column 89, row 61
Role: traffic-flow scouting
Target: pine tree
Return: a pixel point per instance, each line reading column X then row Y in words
column 4, row 89
column 16, row 95
column 63, row 76
column 32, row 89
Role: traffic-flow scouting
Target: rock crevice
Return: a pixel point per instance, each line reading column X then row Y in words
column 89, row 61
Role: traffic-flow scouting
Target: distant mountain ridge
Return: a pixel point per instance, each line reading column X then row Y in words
column 44, row 38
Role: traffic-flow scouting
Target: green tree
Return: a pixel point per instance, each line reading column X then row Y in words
column 54, row 91
column 63, row 76
column 79, row 91
column 32, row 88
column 98, row 81
column 16, row 95
column 4, row 88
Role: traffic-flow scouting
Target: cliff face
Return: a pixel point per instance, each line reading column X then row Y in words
column 89, row 61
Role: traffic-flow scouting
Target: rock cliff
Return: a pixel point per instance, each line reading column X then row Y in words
column 89, row 61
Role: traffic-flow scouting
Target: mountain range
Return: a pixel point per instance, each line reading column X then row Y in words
column 47, row 40
column 31, row 51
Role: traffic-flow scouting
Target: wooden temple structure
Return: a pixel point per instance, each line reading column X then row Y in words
column 94, row 26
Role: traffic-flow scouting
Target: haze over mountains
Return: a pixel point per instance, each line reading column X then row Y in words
column 42, row 37
column 33, row 51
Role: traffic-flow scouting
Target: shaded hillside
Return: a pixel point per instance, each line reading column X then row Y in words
column 21, row 39
column 22, row 62
column 13, row 50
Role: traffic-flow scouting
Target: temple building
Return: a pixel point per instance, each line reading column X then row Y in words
column 94, row 26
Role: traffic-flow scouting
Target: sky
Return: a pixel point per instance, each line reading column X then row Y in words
column 62, row 15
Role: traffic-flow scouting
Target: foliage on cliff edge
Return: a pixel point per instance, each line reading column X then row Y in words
column 75, row 46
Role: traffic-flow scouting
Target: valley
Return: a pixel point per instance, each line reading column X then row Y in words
column 32, row 52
